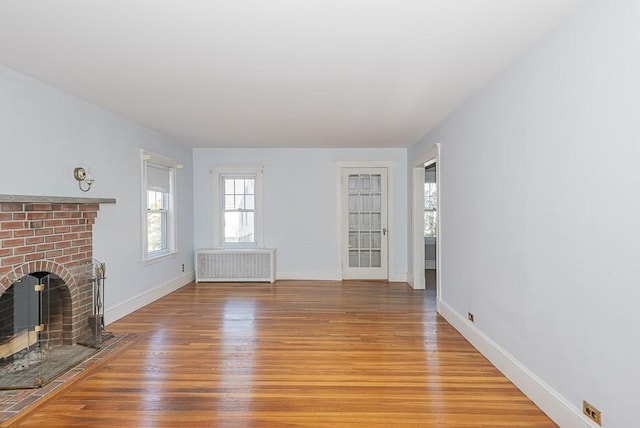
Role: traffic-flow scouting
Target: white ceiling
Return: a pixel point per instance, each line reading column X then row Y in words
column 274, row 73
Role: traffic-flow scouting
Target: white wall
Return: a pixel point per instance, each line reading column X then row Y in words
column 540, row 198
column 300, row 213
column 44, row 134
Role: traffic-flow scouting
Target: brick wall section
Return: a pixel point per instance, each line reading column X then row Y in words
column 55, row 238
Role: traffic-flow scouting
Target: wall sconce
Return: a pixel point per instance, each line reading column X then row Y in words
column 83, row 177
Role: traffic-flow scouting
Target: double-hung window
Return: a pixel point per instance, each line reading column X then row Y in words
column 238, row 210
column 159, row 230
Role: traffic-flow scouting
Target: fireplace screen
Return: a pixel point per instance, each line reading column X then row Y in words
column 40, row 334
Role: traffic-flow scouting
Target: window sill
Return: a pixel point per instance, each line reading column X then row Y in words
column 159, row 258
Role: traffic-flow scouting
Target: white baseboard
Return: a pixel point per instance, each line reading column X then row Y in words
column 326, row 275
column 143, row 299
column 410, row 280
column 398, row 277
column 310, row 275
column 556, row 406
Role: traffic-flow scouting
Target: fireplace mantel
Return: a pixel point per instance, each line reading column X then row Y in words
column 55, row 199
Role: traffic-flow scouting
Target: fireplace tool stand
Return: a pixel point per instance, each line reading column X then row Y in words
column 98, row 335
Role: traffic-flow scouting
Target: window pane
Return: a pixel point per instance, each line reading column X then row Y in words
column 364, row 258
column 364, row 199
column 376, row 221
column 229, row 202
column 365, row 221
column 353, row 259
column 375, row 205
column 365, row 182
column 376, row 240
column 376, row 260
column 164, row 200
column 249, row 202
column 249, row 186
column 353, row 240
column 239, row 227
column 228, row 186
column 157, row 200
column 151, row 197
column 376, row 181
column 353, row 182
column 156, row 231
column 239, row 205
column 353, row 221
column 353, row 203
column 364, row 240
column 239, row 183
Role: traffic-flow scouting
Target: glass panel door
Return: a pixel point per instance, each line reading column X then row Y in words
column 366, row 235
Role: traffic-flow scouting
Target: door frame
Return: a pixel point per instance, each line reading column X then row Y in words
column 390, row 166
column 432, row 154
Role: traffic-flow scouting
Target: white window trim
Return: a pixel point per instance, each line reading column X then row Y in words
column 220, row 171
column 172, row 233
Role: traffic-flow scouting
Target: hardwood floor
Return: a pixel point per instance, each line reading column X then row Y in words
column 292, row 354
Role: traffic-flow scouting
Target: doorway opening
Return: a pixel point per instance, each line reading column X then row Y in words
column 425, row 227
column 430, row 229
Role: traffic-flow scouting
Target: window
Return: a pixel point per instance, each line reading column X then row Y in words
column 239, row 209
column 238, row 213
column 158, row 205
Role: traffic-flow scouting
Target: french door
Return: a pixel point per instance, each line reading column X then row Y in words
column 364, row 223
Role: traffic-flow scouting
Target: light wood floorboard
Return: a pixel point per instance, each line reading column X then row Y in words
column 292, row 354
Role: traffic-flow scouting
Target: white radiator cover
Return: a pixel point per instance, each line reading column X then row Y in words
column 236, row 265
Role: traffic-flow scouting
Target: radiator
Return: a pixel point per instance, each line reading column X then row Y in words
column 241, row 265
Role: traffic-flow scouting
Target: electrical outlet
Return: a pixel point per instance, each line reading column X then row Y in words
column 182, row 267
column 593, row 413
column 470, row 317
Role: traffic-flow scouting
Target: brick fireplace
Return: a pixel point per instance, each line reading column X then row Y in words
column 52, row 237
